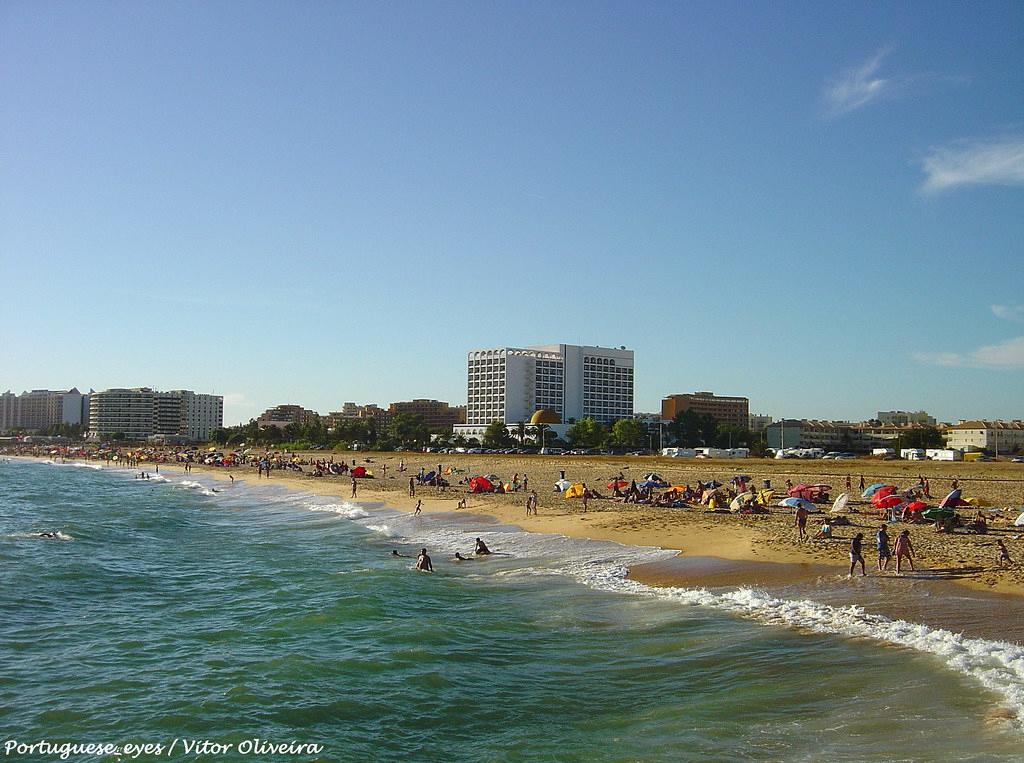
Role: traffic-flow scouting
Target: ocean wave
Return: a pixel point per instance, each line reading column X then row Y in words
column 191, row 485
column 345, row 509
column 996, row 665
column 386, row 530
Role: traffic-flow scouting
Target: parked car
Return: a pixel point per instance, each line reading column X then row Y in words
column 1017, row 460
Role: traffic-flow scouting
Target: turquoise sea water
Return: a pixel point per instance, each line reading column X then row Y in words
column 173, row 612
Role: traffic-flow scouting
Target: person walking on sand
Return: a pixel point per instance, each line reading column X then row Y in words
column 1003, row 554
column 856, row 555
column 419, row 508
column 882, row 544
column 849, row 483
column 412, row 487
column 904, row 548
column 586, row 494
column 861, row 486
column 353, row 487
column 801, row 522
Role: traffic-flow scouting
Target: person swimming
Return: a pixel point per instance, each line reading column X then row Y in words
column 395, row 552
column 460, row 558
column 481, row 548
column 49, row 535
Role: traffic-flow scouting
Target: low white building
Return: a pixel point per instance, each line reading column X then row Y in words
column 993, row 437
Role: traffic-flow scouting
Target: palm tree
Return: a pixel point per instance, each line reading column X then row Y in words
column 521, row 432
column 540, row 430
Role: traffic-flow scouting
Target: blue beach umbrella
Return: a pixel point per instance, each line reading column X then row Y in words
column 794, row 503
column 870, row 490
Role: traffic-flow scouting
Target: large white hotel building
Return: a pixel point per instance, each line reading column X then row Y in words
column 510, row 384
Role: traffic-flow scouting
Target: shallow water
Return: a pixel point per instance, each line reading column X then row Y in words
column 176, row 612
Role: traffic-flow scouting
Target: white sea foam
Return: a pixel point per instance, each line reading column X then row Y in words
column 385, row 530
column 191, row 485
column 80, row 465
column 345, row 509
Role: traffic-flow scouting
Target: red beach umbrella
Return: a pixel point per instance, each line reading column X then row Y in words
column 917, row 506
column 889, row 501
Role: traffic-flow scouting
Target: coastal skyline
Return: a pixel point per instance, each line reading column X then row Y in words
column 821, row 211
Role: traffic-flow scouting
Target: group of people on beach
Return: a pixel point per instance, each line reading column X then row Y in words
column 903, row 549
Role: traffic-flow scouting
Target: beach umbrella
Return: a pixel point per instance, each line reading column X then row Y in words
column 562, row 485
column 651, row 484
column 916, row 506
column 1019, row 521
column 713, row 484
column 655, row 477
column 680, row 488
column 708, row 495
column 796, row 490
column 617, row 484
column 951, row 498
column 939, row 513
column 795, row 503
column 888, row 501
column 839, row 504
column 870, row 490
column 885, row 490
column 492, row 477
column 359, row 471
column 737, row 503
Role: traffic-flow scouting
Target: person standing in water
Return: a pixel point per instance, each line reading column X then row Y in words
column 882, row 544
column 423, row 561
column 856, row 555
column 904, row 549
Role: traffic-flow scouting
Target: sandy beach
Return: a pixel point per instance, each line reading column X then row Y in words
column 767, row 540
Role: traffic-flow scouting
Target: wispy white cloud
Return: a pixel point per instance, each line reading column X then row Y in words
column 857, row 86
column 1009, row 312
column 984, row 162
column 1006, row 354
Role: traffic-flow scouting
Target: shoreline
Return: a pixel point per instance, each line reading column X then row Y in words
column 748, row 545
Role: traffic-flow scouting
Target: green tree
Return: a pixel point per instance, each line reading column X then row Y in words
column 628, row 433
column 586, row 433
column 685, row 429
column 409, row 430
column 496, row 435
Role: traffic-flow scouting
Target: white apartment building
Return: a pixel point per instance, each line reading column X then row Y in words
column 140, row 413
column 509, row 384
column 990, row 436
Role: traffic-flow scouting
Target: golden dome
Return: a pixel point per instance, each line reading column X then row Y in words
column 545, row 416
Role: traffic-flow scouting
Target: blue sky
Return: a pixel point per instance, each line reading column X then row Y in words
column 817, row 205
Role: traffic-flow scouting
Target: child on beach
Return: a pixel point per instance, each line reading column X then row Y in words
column 419, row 508
column 904, row 549
column 1004, row 555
